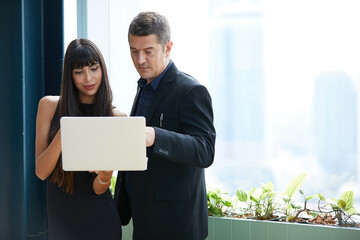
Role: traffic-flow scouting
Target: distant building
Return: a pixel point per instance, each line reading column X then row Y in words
column 237, row 71
column 335, row 122
column 237, row 87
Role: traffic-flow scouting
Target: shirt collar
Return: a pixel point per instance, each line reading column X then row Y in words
column 154, row 83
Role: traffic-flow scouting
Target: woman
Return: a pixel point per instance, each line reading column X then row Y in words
column 79, row 204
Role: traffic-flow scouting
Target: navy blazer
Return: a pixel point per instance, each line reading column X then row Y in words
column 168, row 200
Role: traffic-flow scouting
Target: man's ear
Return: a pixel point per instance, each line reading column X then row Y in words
column 168, row 47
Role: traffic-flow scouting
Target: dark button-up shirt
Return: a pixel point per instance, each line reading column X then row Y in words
column 147, row 92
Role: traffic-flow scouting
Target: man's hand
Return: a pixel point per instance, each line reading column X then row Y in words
column 150, row 136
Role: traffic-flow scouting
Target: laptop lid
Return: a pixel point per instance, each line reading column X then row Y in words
column 103, row 143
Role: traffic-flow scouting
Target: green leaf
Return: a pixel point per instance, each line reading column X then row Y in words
column 216, row 196
column 268, row 187
column 295, row 207
column 348, row 198
column 341, row 203
column 254, row 199
column 314, row 214
column 252, row 191
column 263, row 196
column 112, row 185
column 213, row 201
column 302, row 193
column 272, row 195
column 242, row 196
column 335, row 207
column 311, row 197
column 289, row 218
column 295, row 185
column 256, row 193
column 227, row 203
column 351, row 210
column 321, row 197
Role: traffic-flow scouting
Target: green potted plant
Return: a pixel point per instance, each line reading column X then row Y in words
column 218, row 203
column 262, row 202
column 291, row 210
column 342, row 208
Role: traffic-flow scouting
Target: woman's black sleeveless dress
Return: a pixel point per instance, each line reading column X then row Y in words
column 84, row 214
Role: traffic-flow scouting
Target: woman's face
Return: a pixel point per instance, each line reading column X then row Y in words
column 87, row 80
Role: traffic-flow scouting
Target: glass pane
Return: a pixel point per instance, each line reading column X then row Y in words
column 70, row 22
column 284, row 77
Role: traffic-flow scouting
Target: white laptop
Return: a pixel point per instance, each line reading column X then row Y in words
column 103, row 143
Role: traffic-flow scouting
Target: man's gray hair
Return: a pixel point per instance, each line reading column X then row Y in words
column 147, row 23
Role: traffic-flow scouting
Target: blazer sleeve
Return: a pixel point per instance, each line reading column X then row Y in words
column 195, row 144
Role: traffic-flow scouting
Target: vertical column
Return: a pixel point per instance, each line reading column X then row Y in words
column 53, row 31
column 32, row 89
column 82, row 18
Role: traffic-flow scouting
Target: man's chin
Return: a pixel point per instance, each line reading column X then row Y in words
column 144, row 76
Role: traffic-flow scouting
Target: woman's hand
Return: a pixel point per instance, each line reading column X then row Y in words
column 104, row 176
column 118, row 113
column 102, row 181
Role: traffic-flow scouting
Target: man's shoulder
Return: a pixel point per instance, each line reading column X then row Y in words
column 186, row 79
column 174, row 72
column 182, row 80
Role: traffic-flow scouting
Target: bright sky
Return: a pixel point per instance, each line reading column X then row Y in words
column 303, row 38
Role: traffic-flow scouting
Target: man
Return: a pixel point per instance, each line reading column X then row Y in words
column 168, row 200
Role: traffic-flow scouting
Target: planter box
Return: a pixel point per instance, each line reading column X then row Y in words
column 246, row 229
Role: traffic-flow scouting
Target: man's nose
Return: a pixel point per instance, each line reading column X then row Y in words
column 141, row 58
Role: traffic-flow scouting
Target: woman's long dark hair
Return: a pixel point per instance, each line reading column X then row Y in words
column 80, row 53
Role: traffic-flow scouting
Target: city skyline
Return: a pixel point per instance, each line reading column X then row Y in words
column 274, row 137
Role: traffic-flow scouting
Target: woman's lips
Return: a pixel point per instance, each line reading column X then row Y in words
column 90, row 87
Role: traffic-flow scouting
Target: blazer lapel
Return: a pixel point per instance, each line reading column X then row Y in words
column 160, row 92
column 133, row 108
column 163, row 87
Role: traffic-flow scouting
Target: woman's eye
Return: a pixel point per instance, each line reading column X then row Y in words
column 78, row 72
column 94, row 68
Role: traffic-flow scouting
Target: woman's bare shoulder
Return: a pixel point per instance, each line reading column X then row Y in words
column 52, row 100
column 118, row 113
column 48, row 104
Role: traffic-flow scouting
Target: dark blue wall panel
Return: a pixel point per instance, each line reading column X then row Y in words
column 11, row 121
column 31, row 52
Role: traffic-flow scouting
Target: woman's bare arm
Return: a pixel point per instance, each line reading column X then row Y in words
column 46, row 155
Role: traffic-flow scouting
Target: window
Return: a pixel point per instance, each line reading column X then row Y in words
column 283, row 74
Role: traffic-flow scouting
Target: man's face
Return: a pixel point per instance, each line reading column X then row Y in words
column 148, row 56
